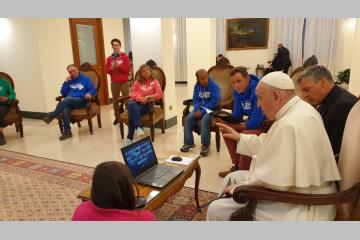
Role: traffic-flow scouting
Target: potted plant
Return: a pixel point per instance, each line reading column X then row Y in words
column 343, row 77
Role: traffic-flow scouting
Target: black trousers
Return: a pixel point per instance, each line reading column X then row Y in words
column 4, row 109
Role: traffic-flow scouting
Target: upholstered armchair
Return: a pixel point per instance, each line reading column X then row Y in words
column 221, row 75
column 92, row 108
column 156, row 114
column 14, row 115
column 347, row 199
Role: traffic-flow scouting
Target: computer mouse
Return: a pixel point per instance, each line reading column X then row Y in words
column 176, row 158
column 140, row 201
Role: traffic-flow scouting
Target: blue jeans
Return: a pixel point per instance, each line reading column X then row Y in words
column 65, row 106
column 135, row 111
column 204, row 124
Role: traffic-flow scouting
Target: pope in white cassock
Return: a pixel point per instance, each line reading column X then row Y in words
column 295, row 155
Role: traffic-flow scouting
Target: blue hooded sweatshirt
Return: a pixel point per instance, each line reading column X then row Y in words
column 78, row 87
column 208, row 97
column 245, row 104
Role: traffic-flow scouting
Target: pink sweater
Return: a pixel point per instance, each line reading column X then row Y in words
column 149, row 87
column 87, row 211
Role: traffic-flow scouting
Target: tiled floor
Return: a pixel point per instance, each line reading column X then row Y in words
column 104, row 145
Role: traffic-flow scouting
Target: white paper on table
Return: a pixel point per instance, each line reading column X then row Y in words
column 184, row 161
column 207, row 110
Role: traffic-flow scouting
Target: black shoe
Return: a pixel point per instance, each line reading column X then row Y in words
column 115, row 122
column 225, row 173
column 204, row 150
column 65, row 136
column 48, row 119
column 186, row 147
column 2, row 139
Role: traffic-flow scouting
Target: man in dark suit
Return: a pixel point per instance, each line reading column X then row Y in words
column 333, row 102
column 282, row 60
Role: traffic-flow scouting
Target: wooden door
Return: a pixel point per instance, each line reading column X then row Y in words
column 88, row 46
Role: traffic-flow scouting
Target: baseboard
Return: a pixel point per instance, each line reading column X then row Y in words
column 180, row 82
column 33, row 115
column 168, row 123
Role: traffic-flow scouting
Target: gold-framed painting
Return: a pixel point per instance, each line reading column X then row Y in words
column 247, row 33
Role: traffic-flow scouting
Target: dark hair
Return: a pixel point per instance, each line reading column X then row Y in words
column 115, row 40
column 151, row 63
column 242, row 70
column 71, row 65
column 140, row 78
column 315, row 73
column 112, row 186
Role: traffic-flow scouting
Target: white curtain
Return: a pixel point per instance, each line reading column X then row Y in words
column 321, row 39
column 180, row 50
column 287, row 31
column 127, row 35
column 220, row 36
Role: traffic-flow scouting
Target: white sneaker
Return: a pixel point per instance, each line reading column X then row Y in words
column 127, row 141
column 139, row 132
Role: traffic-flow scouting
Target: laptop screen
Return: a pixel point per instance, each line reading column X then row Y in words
column 139, row 156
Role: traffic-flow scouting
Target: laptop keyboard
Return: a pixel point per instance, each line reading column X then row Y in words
column 155, row 174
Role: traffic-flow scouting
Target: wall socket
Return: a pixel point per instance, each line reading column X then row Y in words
column 170, row 107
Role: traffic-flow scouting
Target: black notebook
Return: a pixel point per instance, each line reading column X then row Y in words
column 226, row 117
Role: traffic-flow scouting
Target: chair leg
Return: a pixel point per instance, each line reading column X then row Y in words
column 90, row 126
column 79, row 124
column 61, row 126
column 21, row 129
column 99, row 120
column 121, row 126
column 163, row 125
column 217, row 136
column 17, row 127
column 152, row 133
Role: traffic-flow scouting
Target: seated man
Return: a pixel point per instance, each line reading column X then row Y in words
column 206, row 96
column 7, row 94
column 76, row 89
column 333, row 102
column 295, row 155
column 245, row 101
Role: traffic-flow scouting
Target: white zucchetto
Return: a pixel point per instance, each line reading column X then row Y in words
column 278, row 80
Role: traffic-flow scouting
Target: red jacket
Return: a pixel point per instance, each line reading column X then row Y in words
column 121, row 73
column 150, row 86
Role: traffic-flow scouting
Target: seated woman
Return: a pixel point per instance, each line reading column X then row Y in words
column 7, row 95
column 145, row 90
column 112, row 196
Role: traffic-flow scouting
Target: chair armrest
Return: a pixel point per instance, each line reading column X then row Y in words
column 14, row 102
column 123, row 99
column 187, row 102
column 59, row 98
column 242, row 194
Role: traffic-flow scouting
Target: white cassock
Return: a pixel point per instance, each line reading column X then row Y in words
column 295, row 155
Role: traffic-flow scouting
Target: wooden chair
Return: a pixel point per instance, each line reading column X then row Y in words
column 14, row 115
column 221, row 75
column 156, row 113
column 347, row 199
column 92, row 108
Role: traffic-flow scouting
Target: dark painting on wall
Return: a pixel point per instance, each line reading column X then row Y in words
column 247, row 33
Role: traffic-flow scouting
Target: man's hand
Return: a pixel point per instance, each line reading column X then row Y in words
column 88, row 96
column 68, row 78
column 229, row 190
column 198, row 115
column 228, row 132
column 4, row 99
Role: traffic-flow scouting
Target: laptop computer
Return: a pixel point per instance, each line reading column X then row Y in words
column 141, row 159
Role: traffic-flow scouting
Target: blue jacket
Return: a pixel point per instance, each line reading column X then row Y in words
column 245, row 104
column 78, row 87
column 208, row 97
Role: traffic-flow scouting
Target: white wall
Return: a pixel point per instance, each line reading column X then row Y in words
column 354, row 86
column 146, row 40
column 19, row 57
column 346, row 43
column 112, row 28
column 201, row 47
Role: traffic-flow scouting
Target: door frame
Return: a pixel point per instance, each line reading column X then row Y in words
column 100, row 48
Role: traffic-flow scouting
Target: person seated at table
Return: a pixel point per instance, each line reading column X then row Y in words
column 146, row 89
column 112, row 196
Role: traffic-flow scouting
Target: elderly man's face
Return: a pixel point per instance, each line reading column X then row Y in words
column 202, row 78
column 313, row 92
column 239, row 82
column 267, row 100
column 73, row 72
